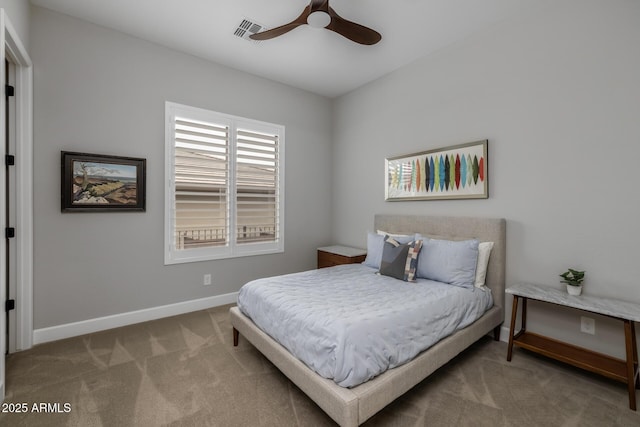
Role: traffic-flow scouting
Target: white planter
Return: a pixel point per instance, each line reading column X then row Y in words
column 574, row 290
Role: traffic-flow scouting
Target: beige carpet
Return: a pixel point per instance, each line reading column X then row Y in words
column 184, row 371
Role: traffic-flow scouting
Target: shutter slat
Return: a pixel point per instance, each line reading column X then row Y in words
column 256, row 196
column 200, row 125
column 264, row 160
column 183, row 134
column 267, row 147
column 209, row 153
column 257, row 135
column 259, row 178
column 197, row 161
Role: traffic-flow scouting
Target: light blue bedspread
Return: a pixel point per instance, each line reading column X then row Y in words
column 349, row 324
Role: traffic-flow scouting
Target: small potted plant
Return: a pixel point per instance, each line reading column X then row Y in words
column 573, row 279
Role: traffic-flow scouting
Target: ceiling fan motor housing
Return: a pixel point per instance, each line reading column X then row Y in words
column 318, row 19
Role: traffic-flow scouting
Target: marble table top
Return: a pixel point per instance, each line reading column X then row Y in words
column 607, row 306
column 343, row 250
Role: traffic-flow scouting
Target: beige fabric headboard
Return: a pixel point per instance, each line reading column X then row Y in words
column 457, row 228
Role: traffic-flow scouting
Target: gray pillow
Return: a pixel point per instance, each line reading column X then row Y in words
column 400, row 260
column 375, row 245
column 449, row 261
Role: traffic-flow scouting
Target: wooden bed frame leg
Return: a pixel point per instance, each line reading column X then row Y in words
column 496, row 333
column 236, row 335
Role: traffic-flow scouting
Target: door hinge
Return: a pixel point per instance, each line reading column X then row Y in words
column 9, row 90
column 9, row 305
column 9, row 160
column 9, row 232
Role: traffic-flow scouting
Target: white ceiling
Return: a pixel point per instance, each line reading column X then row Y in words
column 316, row 60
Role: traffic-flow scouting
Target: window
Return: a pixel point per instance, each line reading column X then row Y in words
column 225, row 195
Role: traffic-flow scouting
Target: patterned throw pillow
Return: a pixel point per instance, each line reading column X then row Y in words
column 375, row 246
column 400, row 260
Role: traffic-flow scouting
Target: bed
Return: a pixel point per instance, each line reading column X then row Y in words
column 351, row 406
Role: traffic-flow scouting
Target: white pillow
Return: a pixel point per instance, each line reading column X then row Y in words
column 484, row 251
column 384, row 233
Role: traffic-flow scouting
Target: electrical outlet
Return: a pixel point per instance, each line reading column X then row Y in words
column 207, row 280
column 588, row 325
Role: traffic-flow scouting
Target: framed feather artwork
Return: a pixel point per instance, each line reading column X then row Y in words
column 454, row 172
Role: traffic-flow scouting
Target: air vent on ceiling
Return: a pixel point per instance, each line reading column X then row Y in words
column 248, row 27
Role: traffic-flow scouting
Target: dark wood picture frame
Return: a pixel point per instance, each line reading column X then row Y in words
column 102, row 183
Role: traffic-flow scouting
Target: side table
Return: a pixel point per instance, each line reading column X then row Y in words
column 328, row 256
column 625, row 371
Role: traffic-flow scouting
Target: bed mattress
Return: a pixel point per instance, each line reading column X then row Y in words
column 349, row 324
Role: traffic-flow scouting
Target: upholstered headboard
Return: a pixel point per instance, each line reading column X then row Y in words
column 458, row 228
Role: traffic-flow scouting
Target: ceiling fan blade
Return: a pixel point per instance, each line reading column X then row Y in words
column 274, row 32
column 322, row 5
column 278, row 31
column 354, row 32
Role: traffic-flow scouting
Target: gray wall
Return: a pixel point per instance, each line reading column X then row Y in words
column 557, row 95
column 100, row 91
column 19, row 14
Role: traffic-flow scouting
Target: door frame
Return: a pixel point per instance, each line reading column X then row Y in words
column 15, row 52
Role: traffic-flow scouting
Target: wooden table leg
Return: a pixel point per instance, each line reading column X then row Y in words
column 514, row 313
column 636, row 364
column 523, row 320
column 632, row 354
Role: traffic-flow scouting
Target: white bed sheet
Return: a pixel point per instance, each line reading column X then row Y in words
column 349, row 324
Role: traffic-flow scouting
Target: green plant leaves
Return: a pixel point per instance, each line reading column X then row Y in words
column 572, row 277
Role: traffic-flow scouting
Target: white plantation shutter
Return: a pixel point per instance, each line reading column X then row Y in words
column 201, row 184
column 256, row 186
column 225, row 186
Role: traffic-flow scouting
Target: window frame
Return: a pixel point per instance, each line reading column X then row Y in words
column 232, row 249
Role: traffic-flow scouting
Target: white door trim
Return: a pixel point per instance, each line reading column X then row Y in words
column 16, row 52
column 12, row 48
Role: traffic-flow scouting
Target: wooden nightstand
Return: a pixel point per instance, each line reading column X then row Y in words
column 328, row 256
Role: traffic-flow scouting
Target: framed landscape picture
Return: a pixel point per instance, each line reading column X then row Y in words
column 455, row 172
column 99, row 183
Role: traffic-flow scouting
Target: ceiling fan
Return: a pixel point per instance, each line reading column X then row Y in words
column 320, row 15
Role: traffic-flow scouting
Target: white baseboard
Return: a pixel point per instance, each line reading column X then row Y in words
column 69, row 330
column 504, row 334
